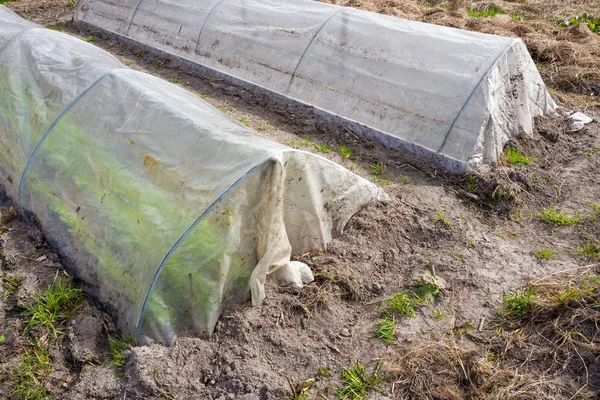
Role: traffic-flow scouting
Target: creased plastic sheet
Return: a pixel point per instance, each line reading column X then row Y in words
column 451, row 96
column 168, row 210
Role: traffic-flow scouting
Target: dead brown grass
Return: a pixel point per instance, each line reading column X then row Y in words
column 553, row 352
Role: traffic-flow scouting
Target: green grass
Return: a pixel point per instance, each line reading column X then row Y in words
column 28, row 377
column 592, row 22
column 472, row 183
column 518, row 17
column 358, row 382
column 589, row 250
column 57, row 303
column 117, row 347
column 486, row 13
column 376, row 169
column 441, row 218
column 175, row 79
column 345, row 151
column 386, row 330
column 10, row 285
column 245, row 121
column 57, row 28
column 544, row 253
column 402, row 304
column 71, row 3
column 515, row 157
column 8, row 1
column 322, row 148
column 301, row 393
column 559, row 218
column 592, row 152
column 90, row 39
column 517, row 304
column 585, row 292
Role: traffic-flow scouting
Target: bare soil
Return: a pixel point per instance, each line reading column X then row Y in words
column 479, row 243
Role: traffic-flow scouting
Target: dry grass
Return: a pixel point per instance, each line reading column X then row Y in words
column 552, row 352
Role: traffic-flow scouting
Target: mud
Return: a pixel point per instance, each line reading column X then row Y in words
column 484, row 249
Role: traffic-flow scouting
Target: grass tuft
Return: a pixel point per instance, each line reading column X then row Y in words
column 592, row 22
column 486, row 13
column 118, row 345
column 322, row 148
column 516, row 305
column 402, row 305
column 442, row 218
column 515, row 157
column 559, row 218
column 57, row 303
column 345, row 151
column 544, row 254
column 589, row 250
column 358, row 382
column 386, row 330
column 27, row 378
column 10, row 285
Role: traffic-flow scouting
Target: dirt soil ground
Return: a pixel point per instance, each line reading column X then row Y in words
column 479, row 235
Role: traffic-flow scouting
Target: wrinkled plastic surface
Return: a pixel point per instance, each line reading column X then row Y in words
column 165, row 207
column 452, row 96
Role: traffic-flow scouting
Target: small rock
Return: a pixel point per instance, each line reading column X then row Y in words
column 345, row 332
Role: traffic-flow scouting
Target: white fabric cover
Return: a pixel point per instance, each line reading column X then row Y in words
column 164, row 206
column 452, row 96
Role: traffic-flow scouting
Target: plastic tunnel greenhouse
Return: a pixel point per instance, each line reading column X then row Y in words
column 451, row 96
column 165, row 208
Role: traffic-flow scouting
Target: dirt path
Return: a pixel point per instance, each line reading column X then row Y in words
column 477, row 234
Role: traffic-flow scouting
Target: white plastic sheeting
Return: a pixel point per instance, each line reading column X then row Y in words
column 165, row 207
column 452, row 96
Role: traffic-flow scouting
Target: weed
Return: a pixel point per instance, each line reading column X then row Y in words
column 385, row 181
column 323, row 148
column 589, row 250
column 128, row 62
column 57, row 303
column 90, row 39
column 264, row 125
column 26, row 377
column 438, row 314
column 402, row 305
column 486, row 13
column 442, row 218
column 592, row 22
column 118, row 345
column 301, row 393
column 518, row 304
column 558, row 218
column 358, row 382
column 544, row 254
column 2, row 339
column 376, row 169
column 324, row 373
column 57, row 28
column 470, row 243
column 426, row 291
column 345, row 151
column 10, row 285
column 592, row 152
column 471, row 183
column 245, row 121
column 386, row 330
column 175, row 79
column 405, row 179
column 71, row 4
column 515, row 157
column 517, row 17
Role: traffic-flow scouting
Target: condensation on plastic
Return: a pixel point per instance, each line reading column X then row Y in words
column 452, row 96
column 165, row 207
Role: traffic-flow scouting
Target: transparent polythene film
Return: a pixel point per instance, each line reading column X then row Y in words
column 167, row 209
column 450, row 95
